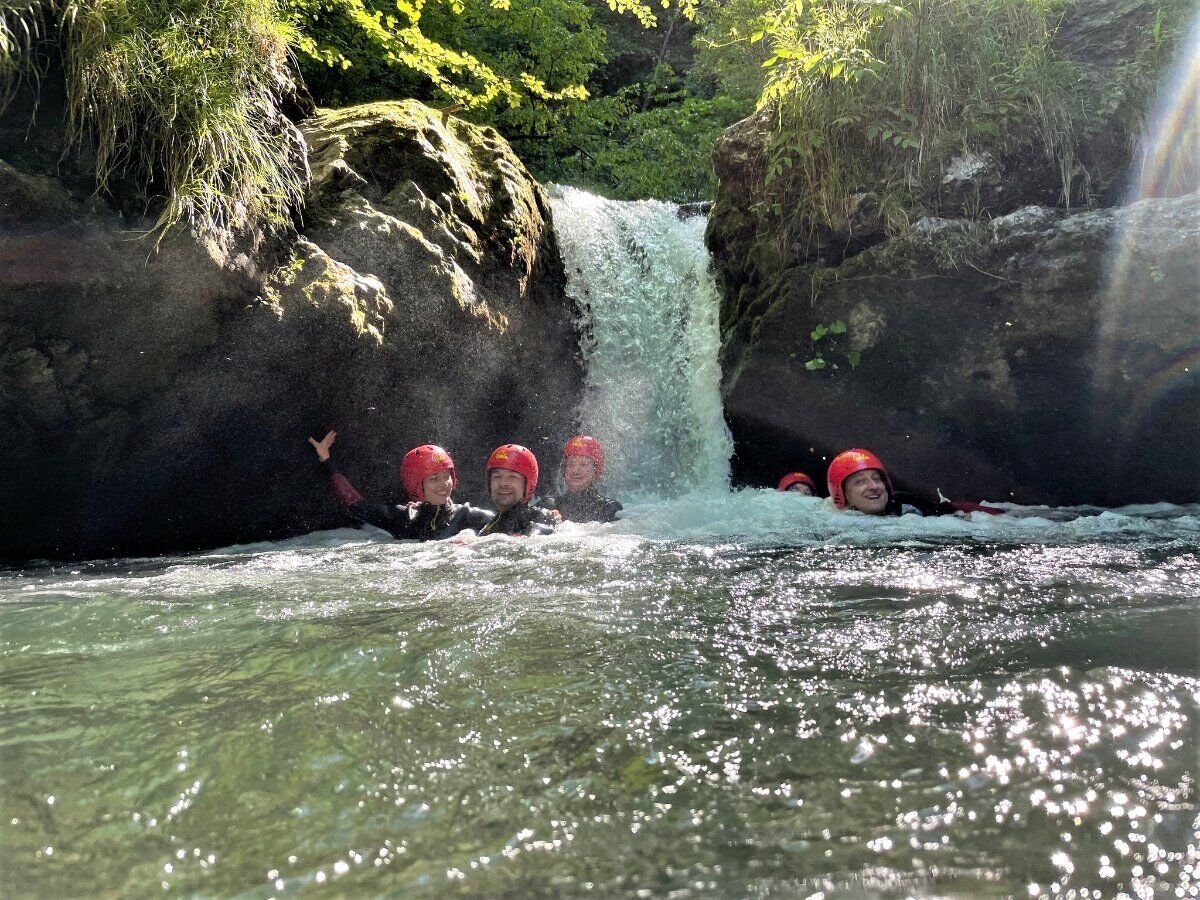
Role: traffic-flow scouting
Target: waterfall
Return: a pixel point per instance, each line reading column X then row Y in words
column 640, row 275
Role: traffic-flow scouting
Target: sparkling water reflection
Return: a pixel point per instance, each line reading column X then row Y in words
column 784, row 702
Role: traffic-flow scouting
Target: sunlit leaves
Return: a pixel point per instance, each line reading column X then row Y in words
column 345, row 33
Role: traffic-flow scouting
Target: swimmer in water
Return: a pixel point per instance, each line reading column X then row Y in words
column 798, row 483
column 512, row 474
column 582, row 468
column 428, row 475
column 858, row 480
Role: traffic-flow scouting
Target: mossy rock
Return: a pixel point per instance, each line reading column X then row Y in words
column 160, row 398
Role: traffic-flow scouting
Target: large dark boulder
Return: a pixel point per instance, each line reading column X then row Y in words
column 1041, row 357
column 1009, row 344
column 159, row 399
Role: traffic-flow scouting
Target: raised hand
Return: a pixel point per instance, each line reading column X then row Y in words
column 322, row 446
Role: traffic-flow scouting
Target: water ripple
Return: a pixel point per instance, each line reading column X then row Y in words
column 950, row 707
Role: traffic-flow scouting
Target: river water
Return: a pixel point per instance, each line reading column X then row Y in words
column 785, row 702
column 723, row 694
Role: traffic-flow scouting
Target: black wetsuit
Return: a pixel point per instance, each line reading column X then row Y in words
column 905, row 504
column 423, row 522
column 587, row 505
column 521, row 520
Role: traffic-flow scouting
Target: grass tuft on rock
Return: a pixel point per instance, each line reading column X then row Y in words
column 178, row 102
column 21, row 25
column 876, row 95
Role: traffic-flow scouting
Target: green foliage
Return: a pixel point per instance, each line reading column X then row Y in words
column 541, row 61
column 177, row 99
column 664, row 152
column 528, row 68
column 456, row 48
column 186, row 95
column 180, row 99
column 728, row 52
column 825, row 351
column 556, row 46
column 875, row 96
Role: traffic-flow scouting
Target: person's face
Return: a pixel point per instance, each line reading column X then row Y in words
column 579, row 472
column 800, row 488
column 867, row 492
column 437, row 487
column 505, row 488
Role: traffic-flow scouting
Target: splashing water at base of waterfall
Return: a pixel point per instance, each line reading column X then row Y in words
column 639, row 273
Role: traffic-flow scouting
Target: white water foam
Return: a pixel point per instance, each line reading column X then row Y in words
column 640, row 274
column 747, row 517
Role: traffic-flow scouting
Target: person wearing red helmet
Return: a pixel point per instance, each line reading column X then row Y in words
column 428, row 476
column 582, row 468
column 799, row 483
column 858, row 480
column 512, row 475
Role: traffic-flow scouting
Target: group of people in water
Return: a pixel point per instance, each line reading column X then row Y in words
column 429, row 477
column 857, row 480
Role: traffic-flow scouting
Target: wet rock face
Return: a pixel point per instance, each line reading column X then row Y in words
column 161, row 400
column 1008, row 345
column 1001, row 360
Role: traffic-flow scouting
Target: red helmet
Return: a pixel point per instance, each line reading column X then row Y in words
column 582, row 445
column 421, row 462
column 517, row 459
column 795, row 478
column 846, row 464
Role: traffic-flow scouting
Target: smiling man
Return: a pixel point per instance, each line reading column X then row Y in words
column 582, row 468
column 858, row 480
column 512, row 474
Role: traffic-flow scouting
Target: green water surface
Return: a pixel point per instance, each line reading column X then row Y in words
column 966, row 715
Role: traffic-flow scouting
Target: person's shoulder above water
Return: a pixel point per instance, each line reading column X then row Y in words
column 588, row 505
column 541, row 521
column 521, row 520
column 473, row 517
column 445, row 521
column 909, row 505
column 428, row 476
